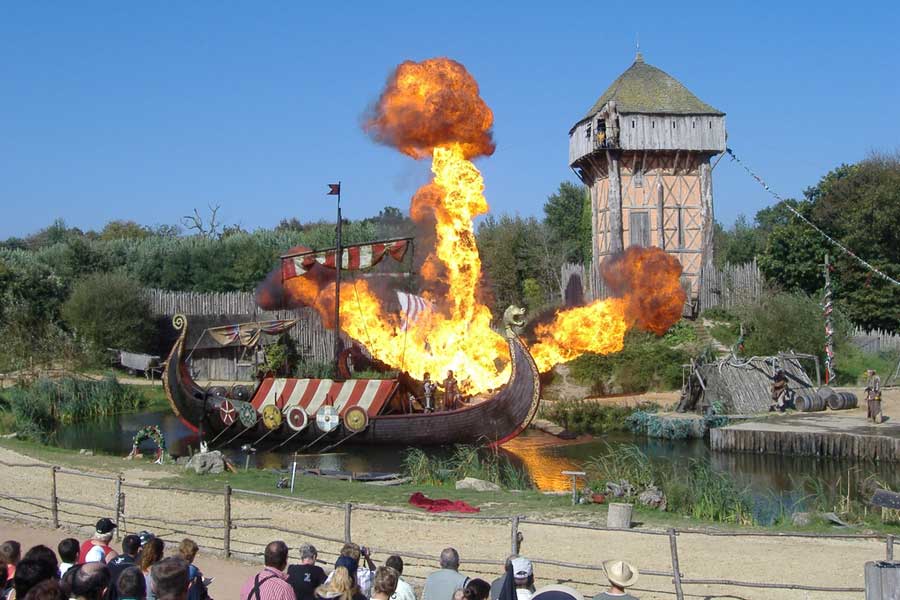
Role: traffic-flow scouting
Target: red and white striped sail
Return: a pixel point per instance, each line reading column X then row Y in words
column 313, row 394
column 353, row 258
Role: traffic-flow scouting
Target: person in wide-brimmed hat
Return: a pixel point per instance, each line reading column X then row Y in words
column 621, row 575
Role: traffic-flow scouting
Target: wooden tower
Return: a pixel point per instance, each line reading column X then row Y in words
column 644, row 150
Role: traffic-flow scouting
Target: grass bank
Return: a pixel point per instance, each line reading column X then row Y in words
column 504, row 502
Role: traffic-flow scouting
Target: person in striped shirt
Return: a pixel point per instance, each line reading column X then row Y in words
column 271, row 583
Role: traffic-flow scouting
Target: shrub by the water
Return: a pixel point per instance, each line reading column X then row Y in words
column 40, row 408
column 585, row 416
column 466, row 461
column 652, row 425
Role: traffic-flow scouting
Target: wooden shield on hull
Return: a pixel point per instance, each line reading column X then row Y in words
column 493, row 421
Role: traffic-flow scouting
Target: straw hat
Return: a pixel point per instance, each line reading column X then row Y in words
column 620, row 573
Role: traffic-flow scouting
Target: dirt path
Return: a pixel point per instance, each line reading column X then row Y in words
column 174, row 515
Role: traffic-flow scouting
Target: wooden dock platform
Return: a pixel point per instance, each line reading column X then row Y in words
column 828, row 434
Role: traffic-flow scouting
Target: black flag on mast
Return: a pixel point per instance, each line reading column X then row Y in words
column 334, row 189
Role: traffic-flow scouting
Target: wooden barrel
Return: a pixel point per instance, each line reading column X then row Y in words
column 843, row 401
column 805, row 401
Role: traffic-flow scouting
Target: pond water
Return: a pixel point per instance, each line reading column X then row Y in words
column 771, row 479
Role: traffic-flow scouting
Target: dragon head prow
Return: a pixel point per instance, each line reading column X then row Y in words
column 514, row 319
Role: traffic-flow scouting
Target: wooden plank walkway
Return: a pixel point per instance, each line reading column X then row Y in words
column 828, row 434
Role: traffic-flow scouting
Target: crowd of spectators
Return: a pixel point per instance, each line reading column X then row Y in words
column 350, row 580
column 93, row 570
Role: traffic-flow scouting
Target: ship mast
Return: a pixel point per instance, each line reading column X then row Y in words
column 339, row 259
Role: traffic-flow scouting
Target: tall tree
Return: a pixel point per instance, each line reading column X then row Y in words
column 564, row 213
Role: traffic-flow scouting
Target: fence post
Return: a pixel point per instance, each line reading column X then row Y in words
column 54, row 500
column 226, row 543
column 348, row 510
column 514, row 535
column 118, row 502
column 889, row 548
column 673, row 547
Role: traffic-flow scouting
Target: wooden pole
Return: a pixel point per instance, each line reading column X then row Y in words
column 118, row 502
column 889, row 548
column 54, row 500
column 348, row 511
column 514, row 535
column 673, row 547
column 226, row 545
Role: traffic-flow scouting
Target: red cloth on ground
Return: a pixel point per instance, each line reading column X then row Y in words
column 420, row 500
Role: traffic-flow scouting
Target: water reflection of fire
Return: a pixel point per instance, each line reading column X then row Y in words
column 433, row 108
column 535, row 453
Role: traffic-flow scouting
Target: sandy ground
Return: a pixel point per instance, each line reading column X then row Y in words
column 173, row 515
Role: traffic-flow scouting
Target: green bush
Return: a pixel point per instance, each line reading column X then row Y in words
column 646, row 362
column 585, row 416
column 109, row 310
column 782, row 322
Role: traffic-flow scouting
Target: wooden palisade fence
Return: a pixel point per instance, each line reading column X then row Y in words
column 726, row 287
column 222, row 536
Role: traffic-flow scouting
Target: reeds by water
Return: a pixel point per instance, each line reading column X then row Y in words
column 693, row 488
column 466, row 461
column 40, row 408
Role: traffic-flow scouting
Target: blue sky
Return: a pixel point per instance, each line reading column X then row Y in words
column 144, row 111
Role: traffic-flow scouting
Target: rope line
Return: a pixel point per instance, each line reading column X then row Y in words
column 797, row 214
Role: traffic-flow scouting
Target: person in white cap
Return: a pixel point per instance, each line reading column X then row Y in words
column 523, row 574
column 621, row 575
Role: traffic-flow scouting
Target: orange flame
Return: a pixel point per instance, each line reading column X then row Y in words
column 647, row 293
column 431, row 104
column 434, row 108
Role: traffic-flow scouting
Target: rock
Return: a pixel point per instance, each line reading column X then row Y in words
column 620, row 489
column 86, row 452
column 182, row 461
column 834, row 519
column 801, row 519
column 479, row 485
column 207, row 462
column 653, row 497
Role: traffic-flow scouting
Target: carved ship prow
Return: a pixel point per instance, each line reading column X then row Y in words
column 286, row 414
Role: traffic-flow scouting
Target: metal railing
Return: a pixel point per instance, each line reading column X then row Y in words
column 214, row 530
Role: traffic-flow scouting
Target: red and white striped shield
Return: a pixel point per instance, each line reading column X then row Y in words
column 296, row 418
column 227, row 413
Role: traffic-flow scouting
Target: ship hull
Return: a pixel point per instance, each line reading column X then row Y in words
column 491, row 421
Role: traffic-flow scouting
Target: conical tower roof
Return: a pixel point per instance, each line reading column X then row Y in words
column 643, row 88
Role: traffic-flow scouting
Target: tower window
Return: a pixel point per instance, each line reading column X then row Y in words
column 673, row 124
column 680, row 227
column 653, row 124
column 632, row 123
column 710, row 124
column 587, row 131
column 693, row 124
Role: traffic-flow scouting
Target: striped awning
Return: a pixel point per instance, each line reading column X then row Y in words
column 312, row 394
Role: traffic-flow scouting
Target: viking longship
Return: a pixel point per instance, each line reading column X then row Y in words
column 286, row 414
